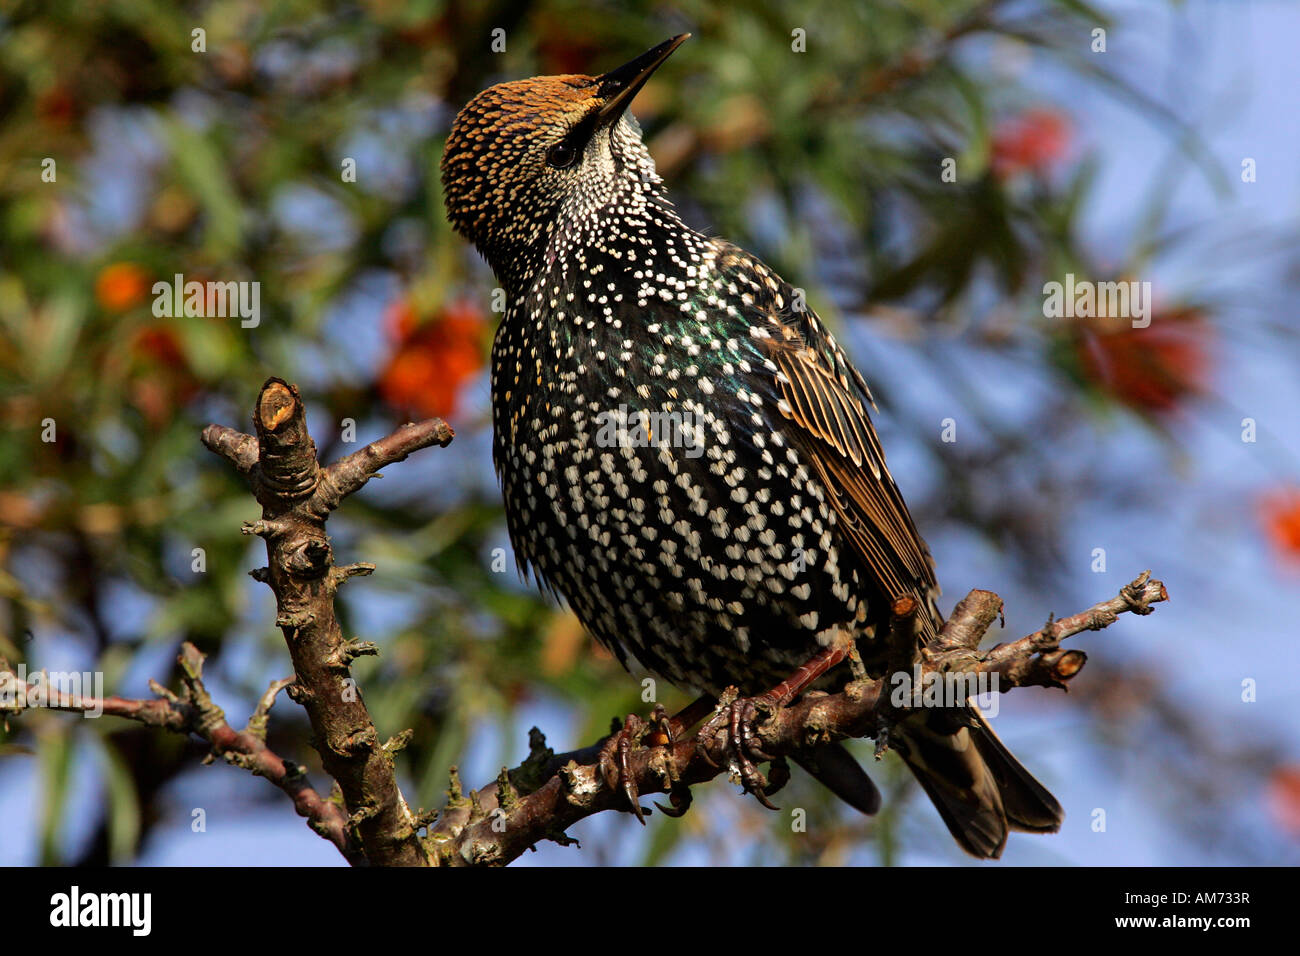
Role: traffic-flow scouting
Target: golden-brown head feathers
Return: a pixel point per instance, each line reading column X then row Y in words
column 525, row 155
column 499, row 144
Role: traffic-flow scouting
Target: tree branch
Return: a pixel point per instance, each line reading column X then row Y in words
column 547, row 793
column 296, row 495
column 193, row 711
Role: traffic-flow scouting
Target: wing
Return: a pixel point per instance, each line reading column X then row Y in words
column 824, row 399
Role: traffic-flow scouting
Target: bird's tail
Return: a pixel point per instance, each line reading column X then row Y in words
column 836, row 769
column 980, row 790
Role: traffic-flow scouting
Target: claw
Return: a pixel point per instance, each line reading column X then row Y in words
column 742, row 746
column 710, row 729
column 608, row 769
column 778, row 776
column 707, row 759
column 738, row 714
column 615, row 759
column 616, row 762
column 630, row 730
column 759, row 793
column 680, row 797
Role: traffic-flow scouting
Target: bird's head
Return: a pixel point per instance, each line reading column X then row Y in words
column 524, row 155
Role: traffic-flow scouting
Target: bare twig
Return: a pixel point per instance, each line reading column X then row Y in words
column 236, row 447
column 349, row 474
column 1038, row 659
column 193, row 711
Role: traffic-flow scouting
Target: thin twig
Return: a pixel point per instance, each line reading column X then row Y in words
column 193, row 711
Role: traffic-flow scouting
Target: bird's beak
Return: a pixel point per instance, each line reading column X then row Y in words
column 619, row 87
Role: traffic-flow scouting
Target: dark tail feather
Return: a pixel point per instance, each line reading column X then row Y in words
column 980, row 790
column 835, row 768
column 1029, row 806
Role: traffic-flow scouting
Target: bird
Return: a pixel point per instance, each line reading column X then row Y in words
column 686, row 454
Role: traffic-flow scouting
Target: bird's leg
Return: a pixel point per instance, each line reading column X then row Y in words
column 739, row 714
column 800, row 680
column 690, row 715
column 659, row 731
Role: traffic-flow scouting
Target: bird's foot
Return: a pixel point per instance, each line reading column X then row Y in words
column 737, row 716
column 615, row 759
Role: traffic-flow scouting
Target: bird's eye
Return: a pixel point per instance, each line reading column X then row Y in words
column 562, row 155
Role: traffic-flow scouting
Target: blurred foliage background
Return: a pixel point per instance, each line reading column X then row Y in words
column 228, row 163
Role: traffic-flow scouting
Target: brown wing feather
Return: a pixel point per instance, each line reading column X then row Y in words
column 849, row 461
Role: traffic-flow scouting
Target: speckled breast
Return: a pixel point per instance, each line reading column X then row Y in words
column 648, row 479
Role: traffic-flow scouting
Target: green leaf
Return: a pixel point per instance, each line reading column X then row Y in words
column 204, row 169
column 123, row 806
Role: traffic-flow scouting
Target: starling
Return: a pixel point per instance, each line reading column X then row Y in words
column 685, row 452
